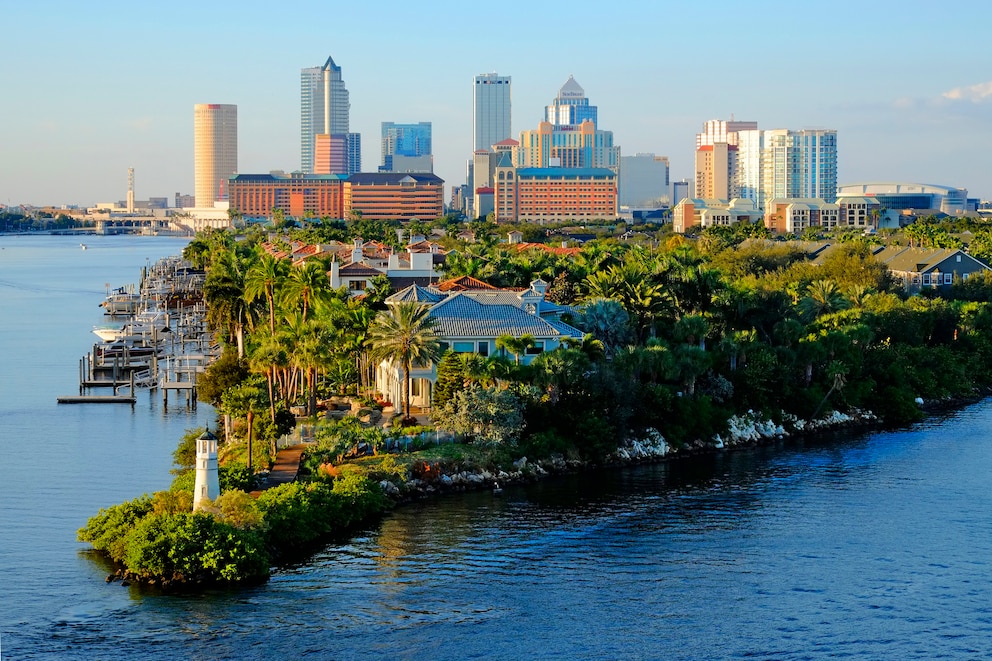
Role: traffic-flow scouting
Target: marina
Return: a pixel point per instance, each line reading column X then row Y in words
column 161, row 343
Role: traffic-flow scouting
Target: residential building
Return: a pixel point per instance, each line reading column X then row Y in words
column 696, row 212
column 716, row 171
column 934, row 267
column 716, row 158
column 643, row 181
column 215, row 151
column 412, row 141
column 796, row 215
column 719, row 130
column 469, row 320
column 325, row 109
column 491, row 116
column 793, row 215
column 782, row 163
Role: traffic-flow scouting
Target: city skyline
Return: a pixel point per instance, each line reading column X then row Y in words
column 909, row 105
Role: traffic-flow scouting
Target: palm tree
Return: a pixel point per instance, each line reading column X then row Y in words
column 227, row 307
column 306, row 284
column 516, row 345
column 266, row 357
column 405, row 334
column 588, row 344
column 822, row 297
column 262, row 281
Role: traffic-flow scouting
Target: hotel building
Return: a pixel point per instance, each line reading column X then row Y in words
column 551, row 195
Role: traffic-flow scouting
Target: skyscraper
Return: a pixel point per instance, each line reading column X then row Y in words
column 491, row 107
column 215, row 150
column 409, row 144
column 571, row 106
column 325, row 109
column 717, row 158
column 781, row 163
column 572, row 140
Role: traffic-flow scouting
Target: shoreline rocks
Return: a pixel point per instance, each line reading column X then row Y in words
column 744, row 430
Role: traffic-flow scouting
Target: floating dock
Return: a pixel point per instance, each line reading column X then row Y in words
column 97, row 399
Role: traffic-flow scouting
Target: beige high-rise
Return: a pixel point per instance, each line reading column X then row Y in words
column 215, row 150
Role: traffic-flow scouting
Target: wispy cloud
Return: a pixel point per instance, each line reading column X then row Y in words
column 974, row 93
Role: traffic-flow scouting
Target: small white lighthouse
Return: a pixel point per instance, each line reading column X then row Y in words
column 207, row 485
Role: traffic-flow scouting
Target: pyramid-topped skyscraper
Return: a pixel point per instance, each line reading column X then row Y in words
column 324, row 111
column 569, row 136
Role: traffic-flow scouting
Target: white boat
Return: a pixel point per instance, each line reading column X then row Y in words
column 110, row 333
column 83, row 246
column 147, row 325
column 120, row 302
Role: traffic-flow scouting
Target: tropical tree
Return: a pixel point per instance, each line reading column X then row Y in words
column 822, row 297
column 245, row 400
column 262, row 281
column 607, row 321
column 404, row 334
column 227, row 307
column 516, row 345
column 306, row 285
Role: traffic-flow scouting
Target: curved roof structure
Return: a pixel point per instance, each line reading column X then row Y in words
column 895, row 188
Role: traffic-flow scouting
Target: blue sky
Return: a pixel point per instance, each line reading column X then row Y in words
column 90, row 89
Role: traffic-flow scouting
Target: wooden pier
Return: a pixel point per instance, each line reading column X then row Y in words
column 148, row 354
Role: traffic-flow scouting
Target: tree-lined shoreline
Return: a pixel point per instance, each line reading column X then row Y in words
column 681, row 336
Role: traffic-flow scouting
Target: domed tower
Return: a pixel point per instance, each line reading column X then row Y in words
column 207, row 485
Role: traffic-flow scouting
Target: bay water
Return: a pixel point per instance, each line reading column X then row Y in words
column 866, row 546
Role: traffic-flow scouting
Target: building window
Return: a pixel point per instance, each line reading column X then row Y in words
column 357, row 285
column 464, row 347
column 538, row 348
column 483, row 348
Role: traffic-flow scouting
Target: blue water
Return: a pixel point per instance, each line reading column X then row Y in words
column 870, row 546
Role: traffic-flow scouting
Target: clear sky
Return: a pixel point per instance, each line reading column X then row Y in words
column 92, row 88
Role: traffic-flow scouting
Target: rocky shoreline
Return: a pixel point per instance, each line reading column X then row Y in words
column 744, row 431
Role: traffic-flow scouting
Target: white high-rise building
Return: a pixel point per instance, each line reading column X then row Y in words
column 491, row 110
column 719, row 130
column 781, row 163
column 324, row 109
column 215, row 151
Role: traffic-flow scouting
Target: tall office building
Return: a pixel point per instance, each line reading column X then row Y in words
column 644, row 180
column 325, row 110
column 406, row 147
column 572, row 140
column 215, row 150
column 571, row 106
column 491, row 110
